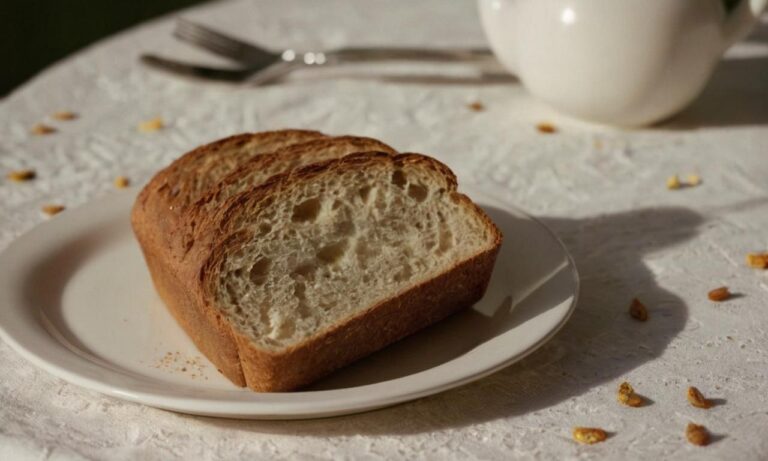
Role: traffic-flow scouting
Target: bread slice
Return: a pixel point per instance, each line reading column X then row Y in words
column 160, row 230
column 260, row 168
column 329, row 263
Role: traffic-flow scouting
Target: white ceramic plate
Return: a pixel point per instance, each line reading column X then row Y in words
column 76, row 300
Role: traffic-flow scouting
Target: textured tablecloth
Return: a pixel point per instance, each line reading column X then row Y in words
column 603, row 191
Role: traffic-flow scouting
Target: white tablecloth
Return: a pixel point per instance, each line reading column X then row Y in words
column 602, row 190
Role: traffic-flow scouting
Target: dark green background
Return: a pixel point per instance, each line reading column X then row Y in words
column 35, row 33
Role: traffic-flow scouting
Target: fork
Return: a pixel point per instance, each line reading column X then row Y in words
column 262, row 65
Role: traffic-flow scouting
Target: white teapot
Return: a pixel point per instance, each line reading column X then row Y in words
column 619, row 62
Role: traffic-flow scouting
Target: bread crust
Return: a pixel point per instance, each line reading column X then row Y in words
column 388, row 321
column 156, row 217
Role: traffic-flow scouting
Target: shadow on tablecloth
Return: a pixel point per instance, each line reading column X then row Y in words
column 600, row 345
column 736, row 95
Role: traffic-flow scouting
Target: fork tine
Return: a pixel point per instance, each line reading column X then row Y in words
column 222, row 44
column 210, row 45
column 191, row 29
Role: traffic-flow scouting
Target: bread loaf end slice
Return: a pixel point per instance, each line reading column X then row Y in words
column 159, row 223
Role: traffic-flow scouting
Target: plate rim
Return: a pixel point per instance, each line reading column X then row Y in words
column 254, row 409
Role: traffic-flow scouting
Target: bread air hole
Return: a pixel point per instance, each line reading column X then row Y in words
column 365, row 193
column 345, row 228
column 300, row 291
column 404, row 274
column 307, row 210
column 398, row 178
column 259, row 271
column 446, row 240
column 334, row 252
column 304, row 270
column 417, row 192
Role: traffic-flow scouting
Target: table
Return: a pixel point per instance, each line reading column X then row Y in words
column 602, row 190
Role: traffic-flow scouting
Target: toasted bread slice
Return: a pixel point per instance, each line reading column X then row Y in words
column 326, row 264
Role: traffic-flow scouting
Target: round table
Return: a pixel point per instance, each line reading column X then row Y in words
column 602, row 190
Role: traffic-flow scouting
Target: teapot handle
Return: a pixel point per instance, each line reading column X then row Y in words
column 741, row 20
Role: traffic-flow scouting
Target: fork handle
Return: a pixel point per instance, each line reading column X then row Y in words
column 343, row 55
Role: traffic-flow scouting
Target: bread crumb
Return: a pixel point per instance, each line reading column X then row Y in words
column 64, row 115
column 176, row 362
column 638, row 311
column 121, row 182
column 21, row 175
column 719, row 294
column 694, row 180
column 476, row 106
column 673, row 182
column 697, row 399
column 149, row 126
column 589, row 435
column 51, row 210
column 546, row 128
column 697, row 435
column 42, row 129
column 626, row 395
column 757, row 260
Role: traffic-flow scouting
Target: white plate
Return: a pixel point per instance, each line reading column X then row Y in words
column 76, row 300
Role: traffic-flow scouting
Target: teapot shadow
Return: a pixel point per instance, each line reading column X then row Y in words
column 600, row 344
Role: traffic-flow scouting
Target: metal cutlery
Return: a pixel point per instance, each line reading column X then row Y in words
column 260, row 65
